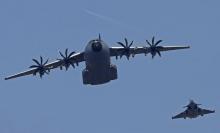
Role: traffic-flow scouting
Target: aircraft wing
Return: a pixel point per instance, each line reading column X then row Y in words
column 180, row 115
column 75, row 58
column 205, row 111
column 120, row 51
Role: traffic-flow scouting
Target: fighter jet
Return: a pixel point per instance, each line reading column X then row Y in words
column 97, row 57
column 193, row 111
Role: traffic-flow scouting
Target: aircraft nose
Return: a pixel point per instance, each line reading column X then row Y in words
column 96, row 46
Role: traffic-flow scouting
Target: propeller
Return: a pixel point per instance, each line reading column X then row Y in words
column 40, row 67
column 154, row 47
column 126, row 51
column 66, row 60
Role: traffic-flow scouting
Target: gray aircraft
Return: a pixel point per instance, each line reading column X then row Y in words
column 193, row 111
column 97, row 56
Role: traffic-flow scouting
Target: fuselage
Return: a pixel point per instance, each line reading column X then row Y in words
column 193, row 111
column 98, row 63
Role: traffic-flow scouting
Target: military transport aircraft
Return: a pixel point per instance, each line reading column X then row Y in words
column 193, row 111
column 96, row 55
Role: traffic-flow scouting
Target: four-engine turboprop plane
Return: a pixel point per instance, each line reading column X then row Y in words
column 97, row 56
column 193, row 111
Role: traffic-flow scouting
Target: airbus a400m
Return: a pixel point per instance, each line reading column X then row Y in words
column 97, row 57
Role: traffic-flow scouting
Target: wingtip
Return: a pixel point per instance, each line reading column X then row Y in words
column 6, row 78
column 186, row 46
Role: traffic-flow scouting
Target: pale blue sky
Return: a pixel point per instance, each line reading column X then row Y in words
column 147, row 93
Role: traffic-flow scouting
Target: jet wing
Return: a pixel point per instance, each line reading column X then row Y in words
column 78, row 57
column 120, row 51
column 205, row 111
column 181, row 115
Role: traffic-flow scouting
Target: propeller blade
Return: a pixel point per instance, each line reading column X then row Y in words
column 128, row 56
column 158, row 42
column 46, row 62
column 35, row 72
column 41, row 60
column 66, row 52
column 72, row 65
column 77, row 63
column 47, row 72
column 131, row 44
column 61, row 54
column 153, row 40
column 72, row 53
column 126, row 42
column 36, row 61
column 148, row 43
column 33, row 66
column 120, row 43
column 122, row 54
column 67, row 67
column 158, row 53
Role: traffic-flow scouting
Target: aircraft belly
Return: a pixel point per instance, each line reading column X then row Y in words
column 98, row 70
column 99, row 76
column 192, row 114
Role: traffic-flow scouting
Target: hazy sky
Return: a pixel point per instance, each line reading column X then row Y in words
column 147, row 92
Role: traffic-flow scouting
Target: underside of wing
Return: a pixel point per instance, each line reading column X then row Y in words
column 126, row 49
column 168, row 48
column 132, row 51
column 28, row 72
column 181, row 115
column 205, row 111
column 42, row 67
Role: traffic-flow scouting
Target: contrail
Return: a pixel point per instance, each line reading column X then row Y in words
column 109, row 19
column 102, row 17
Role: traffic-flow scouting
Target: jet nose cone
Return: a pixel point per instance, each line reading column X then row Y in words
column 96, row 46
